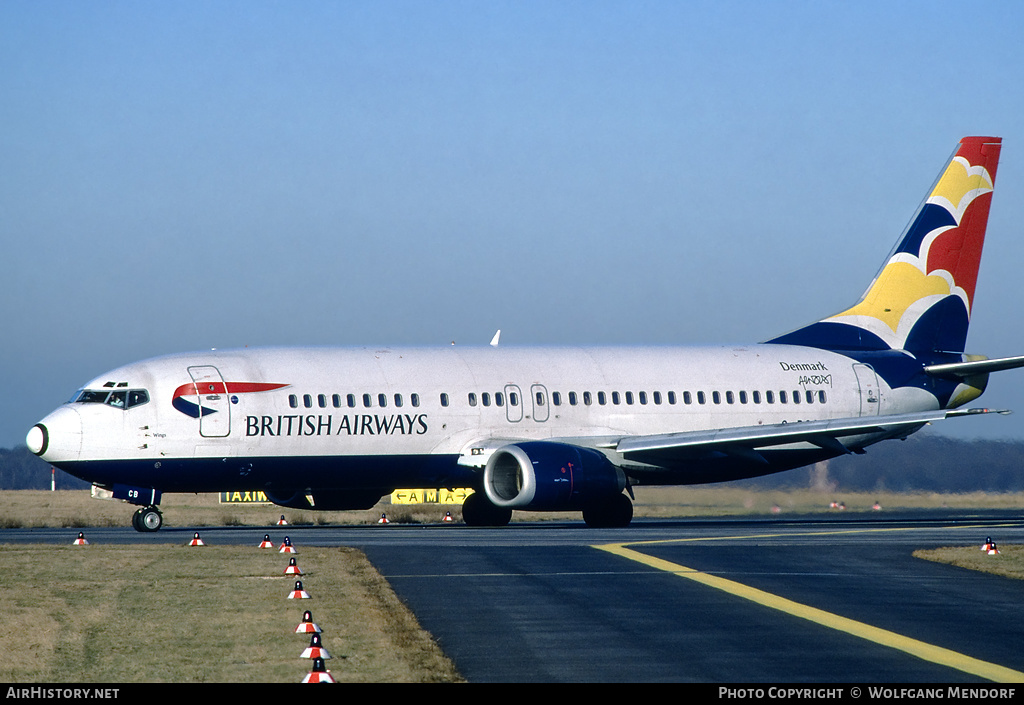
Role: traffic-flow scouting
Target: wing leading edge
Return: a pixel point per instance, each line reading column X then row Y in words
column 747, row 442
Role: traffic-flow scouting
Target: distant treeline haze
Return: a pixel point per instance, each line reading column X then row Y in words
column 921, row 463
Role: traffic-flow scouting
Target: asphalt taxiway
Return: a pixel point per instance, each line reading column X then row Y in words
column 812, row 600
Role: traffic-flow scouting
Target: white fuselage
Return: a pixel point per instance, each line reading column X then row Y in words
column 430, row 401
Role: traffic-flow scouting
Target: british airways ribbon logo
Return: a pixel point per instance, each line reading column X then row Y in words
column 188, row 397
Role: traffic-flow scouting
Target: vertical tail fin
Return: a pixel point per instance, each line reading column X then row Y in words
column 921, row 299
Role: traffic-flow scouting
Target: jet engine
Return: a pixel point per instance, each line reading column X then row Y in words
column 549, row 476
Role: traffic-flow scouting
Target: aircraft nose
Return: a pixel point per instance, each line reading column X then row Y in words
column 38, row 439
column 57, row 437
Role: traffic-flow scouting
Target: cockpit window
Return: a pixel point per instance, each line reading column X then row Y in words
column 91, row 396
column 137, row 397
column 120, row 399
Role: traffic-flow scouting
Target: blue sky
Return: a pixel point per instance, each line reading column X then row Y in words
column 188, row 175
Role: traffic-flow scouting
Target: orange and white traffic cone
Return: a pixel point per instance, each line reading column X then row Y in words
column 80, row 541
column 298, row 593
column 988, row 544
column 281, row 521
column 196, row 541
column 447, row 518
column 266, row 542
column 307, row 625
column 315, row 649
column 992, row 550
column 287, row 547
column 383, row 519
column 319, row 674
column 292, row 569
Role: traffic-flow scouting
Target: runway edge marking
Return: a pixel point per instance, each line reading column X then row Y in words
column 920, row 649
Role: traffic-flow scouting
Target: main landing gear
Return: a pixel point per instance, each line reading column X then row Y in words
column 477, row 510
column 613, row 513
column 147, row 519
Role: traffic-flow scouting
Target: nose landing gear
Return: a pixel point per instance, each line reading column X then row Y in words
column 147, row 519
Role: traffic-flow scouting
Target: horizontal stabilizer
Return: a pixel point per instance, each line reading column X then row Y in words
column 974, row 367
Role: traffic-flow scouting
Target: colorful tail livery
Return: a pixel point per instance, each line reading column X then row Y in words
column 921, row 300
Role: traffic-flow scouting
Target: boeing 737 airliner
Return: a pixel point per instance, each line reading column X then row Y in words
column 562, row 428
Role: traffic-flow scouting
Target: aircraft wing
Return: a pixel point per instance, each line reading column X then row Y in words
column 745, row 441
column 742, row 442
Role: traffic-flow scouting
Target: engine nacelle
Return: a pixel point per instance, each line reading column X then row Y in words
column 330, row 500
column 547, row 476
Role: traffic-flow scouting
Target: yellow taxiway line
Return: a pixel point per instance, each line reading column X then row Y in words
column 920, row 649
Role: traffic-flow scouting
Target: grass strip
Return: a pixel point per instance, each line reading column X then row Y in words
column 125, row 614
column 1009, row 562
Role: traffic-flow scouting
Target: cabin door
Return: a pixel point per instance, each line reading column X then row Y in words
column 214, row 405
column 868, row 382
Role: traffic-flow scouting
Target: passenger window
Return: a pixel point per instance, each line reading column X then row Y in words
column 472, row 398
column 321, row 400
column 616, row 399
column 796, row 397
column 367, row 401
column 821, row 396
column 486, row 398
column 556, row 398
column 351, row 399
column 716, row 397
column 336, row 401
column 783, row 398
column 444, row 399
column 701, row 399
column 382, row 399
column 293, row 401
column 415, row 398
column 729, row 398
column 307, row 401
column 587, row 398
column 769, row 397
column 810, row 396
column 601, row 398
column 398, row 400
column 629, row 397
column 513, row 399
column 540, row 398
column 756, row 396
column 573, row 399
column 499, row 399
column 657, row 397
